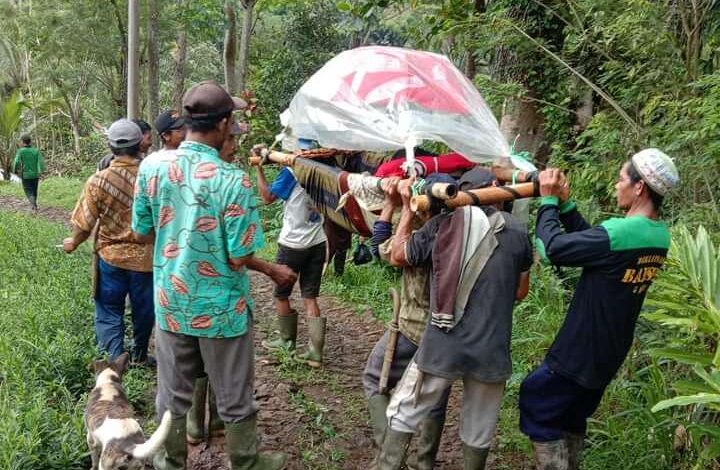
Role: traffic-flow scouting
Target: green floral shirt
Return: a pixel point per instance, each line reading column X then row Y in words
column 203, row 211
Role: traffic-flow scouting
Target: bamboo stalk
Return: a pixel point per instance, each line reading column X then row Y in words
column 485, row 196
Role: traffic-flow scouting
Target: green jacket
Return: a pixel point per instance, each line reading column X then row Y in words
column 28, row 163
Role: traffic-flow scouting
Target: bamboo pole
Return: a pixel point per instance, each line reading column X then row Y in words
column 438, row 190
column 484, row 196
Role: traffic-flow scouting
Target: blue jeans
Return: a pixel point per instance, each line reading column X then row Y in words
column 114, row 284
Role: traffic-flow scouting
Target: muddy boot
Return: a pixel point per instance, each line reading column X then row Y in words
column 196, row 413
column 174, row 452
column 314, row 354
column 474, row 458
column 216, row 427
column 575, row 444
column 377, row 405
column 427, row 444
column 394, row 450
column 287, row 324
column 241, row 442
column 552, row 455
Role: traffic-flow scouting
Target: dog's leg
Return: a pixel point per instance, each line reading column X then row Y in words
column 94, row 451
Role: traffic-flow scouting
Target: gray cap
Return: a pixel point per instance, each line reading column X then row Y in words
column 123, row 133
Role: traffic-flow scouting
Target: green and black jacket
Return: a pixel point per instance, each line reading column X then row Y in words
column 620, row 258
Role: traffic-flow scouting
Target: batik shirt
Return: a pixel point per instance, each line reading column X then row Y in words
column 620, row 258
column 203, row 211
column 107, row 198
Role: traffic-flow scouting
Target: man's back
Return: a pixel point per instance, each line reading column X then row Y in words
column 29, row 160
column 203, row 211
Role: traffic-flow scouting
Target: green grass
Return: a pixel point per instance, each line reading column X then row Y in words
column 55, row 191
column 46, row 344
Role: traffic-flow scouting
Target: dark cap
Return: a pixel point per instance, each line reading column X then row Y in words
column 168, row 120
column 208, row 100
column 478, row 177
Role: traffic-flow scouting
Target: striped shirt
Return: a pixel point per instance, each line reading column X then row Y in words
column 107, row 198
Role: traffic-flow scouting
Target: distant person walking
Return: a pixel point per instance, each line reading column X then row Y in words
column 29, row 165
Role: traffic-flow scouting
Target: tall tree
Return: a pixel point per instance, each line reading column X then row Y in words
column 230, row 47
column 179, row 58
column 245, row 34
column 153, row 62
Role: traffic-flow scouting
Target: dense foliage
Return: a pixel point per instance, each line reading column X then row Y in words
column 582, row 83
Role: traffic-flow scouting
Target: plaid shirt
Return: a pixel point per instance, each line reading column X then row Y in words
column 107, row 198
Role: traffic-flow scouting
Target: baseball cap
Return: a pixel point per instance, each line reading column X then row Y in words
column 656, row 169
column 478, row 177
column 123, row 133
column 208, row 100
column 168, row 120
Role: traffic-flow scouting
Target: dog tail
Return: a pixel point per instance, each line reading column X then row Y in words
column 151, row 447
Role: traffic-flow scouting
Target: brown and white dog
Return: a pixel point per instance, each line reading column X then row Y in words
column 115, row 438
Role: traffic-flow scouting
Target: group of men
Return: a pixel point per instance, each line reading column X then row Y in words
column 178, row 230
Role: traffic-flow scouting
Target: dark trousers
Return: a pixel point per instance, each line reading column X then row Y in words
column 30, row 186
column 404, row 352
column 114, row 285
column 552, row 405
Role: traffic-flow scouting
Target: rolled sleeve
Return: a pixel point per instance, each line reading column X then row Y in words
column 242, row 222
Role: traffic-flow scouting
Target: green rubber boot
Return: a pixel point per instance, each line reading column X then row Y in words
column 287, row 324
column 552, row 455
column 316, row 330
column 474, row 458
column 575, row 444
column 173, row 455
column 196, row 413
column 377, row 405
column 241, row 446
column 427, row 444
column 394, row 449
column 216, row 427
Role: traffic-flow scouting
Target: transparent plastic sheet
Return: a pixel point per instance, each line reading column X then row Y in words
column 386, row 98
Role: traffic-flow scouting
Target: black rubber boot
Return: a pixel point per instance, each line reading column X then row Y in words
column 216, row 427
column 241, row 442
column 474, row 458
column 173, row 455
column 552, row 455
column 575, row 444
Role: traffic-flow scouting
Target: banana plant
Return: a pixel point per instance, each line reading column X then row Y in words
column 11, row 108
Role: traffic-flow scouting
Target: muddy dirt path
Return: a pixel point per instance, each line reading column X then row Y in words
column 318, row 417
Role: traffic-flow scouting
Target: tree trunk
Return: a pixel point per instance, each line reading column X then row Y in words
column 180, row 56
column 230, row 48
column 133, row 62
column 75, row 127
column 584, row 111
column 121, row 66
column 248, row 6
column 523, row 125
column 153, row 65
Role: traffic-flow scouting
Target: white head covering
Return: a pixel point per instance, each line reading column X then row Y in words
column 656, row 169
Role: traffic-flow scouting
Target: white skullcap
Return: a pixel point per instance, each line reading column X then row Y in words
column 656, row 169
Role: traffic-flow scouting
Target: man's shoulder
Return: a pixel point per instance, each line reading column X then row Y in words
column 636, row 232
